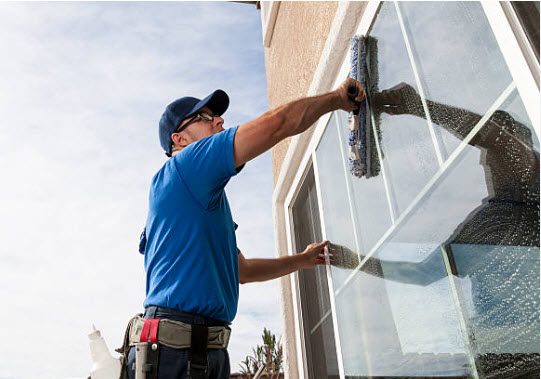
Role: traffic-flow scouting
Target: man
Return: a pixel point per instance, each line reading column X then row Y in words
column 193, row 266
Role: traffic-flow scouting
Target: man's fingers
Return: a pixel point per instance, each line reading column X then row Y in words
column 320, row 261
column 354, row 92
column 320, row 245
column 361, row 95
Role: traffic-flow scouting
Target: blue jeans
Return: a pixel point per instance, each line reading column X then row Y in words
column 173, row 363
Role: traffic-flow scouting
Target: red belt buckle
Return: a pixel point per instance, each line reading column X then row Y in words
column 150, row 327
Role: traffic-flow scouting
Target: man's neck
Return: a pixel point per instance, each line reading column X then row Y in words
column 176, row 151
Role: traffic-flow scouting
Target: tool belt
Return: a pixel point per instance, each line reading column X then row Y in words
column 176, row 334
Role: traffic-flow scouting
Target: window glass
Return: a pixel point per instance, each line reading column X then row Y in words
column 409, row 157
column 368, row 198
column 334, row 195
column 324, row 335
column 458, row 61
column 313, row 289
column 455, row 288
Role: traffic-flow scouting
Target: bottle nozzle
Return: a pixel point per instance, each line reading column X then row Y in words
column 94, row 333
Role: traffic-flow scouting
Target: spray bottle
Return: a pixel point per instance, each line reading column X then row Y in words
column 104, row 366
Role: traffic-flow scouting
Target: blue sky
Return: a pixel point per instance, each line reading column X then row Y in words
column 82, row 86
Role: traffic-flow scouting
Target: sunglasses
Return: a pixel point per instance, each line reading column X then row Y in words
column 198, row 116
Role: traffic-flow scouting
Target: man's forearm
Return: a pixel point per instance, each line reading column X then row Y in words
column 260, row 269
column 297, row 116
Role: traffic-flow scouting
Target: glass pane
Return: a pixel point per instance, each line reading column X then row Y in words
column 408, row 151
column 371, row 209
column 386, row 331
column 334, row 195
column 307, row 230
column 322, row 338
column 457, row 282
column 458, row 60
column 313, row 288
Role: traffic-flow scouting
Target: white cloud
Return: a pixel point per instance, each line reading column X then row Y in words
column 82, row 87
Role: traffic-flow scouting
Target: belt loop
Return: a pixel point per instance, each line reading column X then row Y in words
column 151, row 311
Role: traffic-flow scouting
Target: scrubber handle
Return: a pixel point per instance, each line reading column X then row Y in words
column 352, row 92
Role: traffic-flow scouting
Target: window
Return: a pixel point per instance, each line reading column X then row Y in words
column 436, row 267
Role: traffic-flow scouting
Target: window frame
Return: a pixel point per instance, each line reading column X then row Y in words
column 297, row 163
column 307, row 162
column 269, row 14
column 294, row 278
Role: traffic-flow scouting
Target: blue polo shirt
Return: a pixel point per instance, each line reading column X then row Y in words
column 191, row 259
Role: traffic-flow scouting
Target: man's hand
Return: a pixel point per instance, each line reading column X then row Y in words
column 347, row 103
column 400, row 99
column 314, row 254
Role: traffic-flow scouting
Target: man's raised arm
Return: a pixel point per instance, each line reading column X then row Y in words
column 259, row 135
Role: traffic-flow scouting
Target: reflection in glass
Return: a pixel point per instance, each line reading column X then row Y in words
column 409, row 154
column 453, row 291
column 370, row 206
column 481, row 224
column 324, row 335
column 457, row 57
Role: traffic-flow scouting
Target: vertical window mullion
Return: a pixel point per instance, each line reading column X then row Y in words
column 437, row 145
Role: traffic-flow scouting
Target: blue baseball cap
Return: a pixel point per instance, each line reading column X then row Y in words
column 182, row 108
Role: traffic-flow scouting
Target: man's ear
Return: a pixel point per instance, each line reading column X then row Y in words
column 179, row 139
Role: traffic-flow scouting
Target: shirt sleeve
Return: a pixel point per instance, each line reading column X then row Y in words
column 207, row 165
column 143, row 241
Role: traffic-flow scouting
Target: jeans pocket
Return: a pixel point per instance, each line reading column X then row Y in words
column 130, row 365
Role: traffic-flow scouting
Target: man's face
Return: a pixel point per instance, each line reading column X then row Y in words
column 201, row 128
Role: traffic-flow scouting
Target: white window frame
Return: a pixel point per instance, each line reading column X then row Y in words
column 301, row 152
column 269, row 13
column 291, row 249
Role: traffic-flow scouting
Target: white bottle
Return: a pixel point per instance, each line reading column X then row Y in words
column 104, row 366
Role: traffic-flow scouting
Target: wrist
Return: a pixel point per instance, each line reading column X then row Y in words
column 302, row 260
column 335, row 99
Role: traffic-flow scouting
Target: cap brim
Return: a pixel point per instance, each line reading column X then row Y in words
column 218, row 102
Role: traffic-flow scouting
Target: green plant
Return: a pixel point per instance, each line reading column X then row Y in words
column 268, row 355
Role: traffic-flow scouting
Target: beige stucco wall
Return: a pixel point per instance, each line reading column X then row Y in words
column 299, row 36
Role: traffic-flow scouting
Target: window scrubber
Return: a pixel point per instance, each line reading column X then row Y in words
column 363, row 154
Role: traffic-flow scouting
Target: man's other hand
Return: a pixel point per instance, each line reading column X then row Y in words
column 341, row 256
column 347, row 102
column 314, row 254
column 398, row 100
